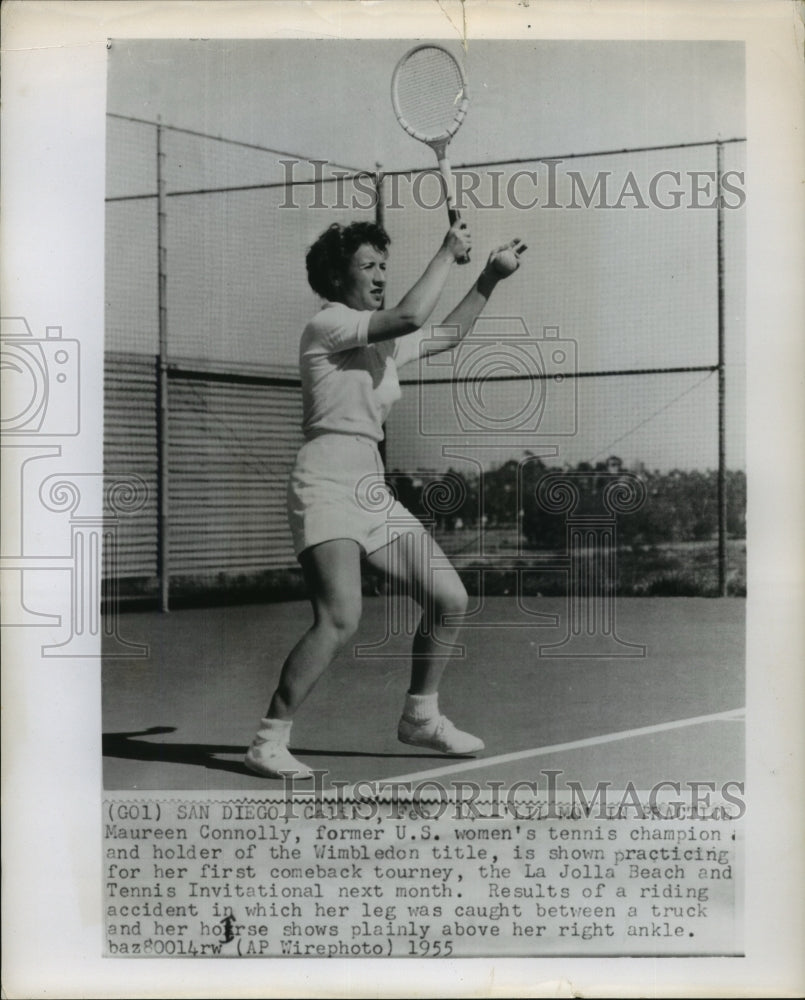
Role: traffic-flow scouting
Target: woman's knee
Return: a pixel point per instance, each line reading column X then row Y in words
column 341, row 618
column 450, row 598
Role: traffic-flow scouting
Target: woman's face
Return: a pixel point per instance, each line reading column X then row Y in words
column 365, row 278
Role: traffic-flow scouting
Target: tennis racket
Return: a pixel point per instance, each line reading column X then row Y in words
column 430, row 99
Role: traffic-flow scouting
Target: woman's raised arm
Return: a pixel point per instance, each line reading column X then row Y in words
column 502, row 262
column 415, row 307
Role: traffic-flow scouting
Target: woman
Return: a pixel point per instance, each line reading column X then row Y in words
column 349, row 356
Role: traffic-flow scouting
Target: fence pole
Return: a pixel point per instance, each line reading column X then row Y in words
column 722, row 450
column 380, row 208
column 163, row 552
column 380, row 217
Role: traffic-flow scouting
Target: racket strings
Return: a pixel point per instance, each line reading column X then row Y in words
column 430, row 93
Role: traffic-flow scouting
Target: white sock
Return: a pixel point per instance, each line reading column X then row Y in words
column 421, row 707
column 274, row 731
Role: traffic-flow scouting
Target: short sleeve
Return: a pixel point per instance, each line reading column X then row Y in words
column 407, row 348
column 339, row 328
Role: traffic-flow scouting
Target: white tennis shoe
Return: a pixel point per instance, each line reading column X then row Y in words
column 273, row 759
column 438, row 734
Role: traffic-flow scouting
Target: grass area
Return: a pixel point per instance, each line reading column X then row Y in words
column 683, row 569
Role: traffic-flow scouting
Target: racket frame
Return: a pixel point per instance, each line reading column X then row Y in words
column 440, row 142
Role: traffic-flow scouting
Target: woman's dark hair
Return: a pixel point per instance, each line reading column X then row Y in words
column 328, row 259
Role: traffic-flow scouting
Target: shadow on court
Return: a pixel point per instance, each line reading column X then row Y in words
column 183, row 717
column 126, row 746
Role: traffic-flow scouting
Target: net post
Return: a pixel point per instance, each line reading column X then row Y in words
column 163, row 552
column 722, row 450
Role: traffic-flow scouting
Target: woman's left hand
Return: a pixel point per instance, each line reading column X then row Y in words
column 505, row 259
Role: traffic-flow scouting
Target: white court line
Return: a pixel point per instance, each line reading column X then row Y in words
column 734, row 714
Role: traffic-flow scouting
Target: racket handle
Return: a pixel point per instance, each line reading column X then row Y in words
column 454, row 216
column 448, row 183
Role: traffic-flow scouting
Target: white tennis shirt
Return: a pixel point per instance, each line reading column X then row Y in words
column 348, row 384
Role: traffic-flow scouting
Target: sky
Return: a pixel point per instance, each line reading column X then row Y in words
column 331, row 98
column 631, row 288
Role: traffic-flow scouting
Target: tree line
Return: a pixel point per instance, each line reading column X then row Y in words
column 680, row 505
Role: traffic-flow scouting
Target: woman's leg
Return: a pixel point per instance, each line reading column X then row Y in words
column 333, row 578
column 417, row 566
column 332, row 574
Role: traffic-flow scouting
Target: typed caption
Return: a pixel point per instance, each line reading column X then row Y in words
column 192, row 876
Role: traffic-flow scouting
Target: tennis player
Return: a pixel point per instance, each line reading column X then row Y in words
column 339, row 506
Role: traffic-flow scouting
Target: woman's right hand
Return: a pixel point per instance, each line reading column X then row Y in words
column 458, row 241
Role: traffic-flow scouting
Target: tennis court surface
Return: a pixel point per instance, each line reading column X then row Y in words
column 182, row 717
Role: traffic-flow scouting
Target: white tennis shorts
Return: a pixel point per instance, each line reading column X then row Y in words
column 337, row 489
